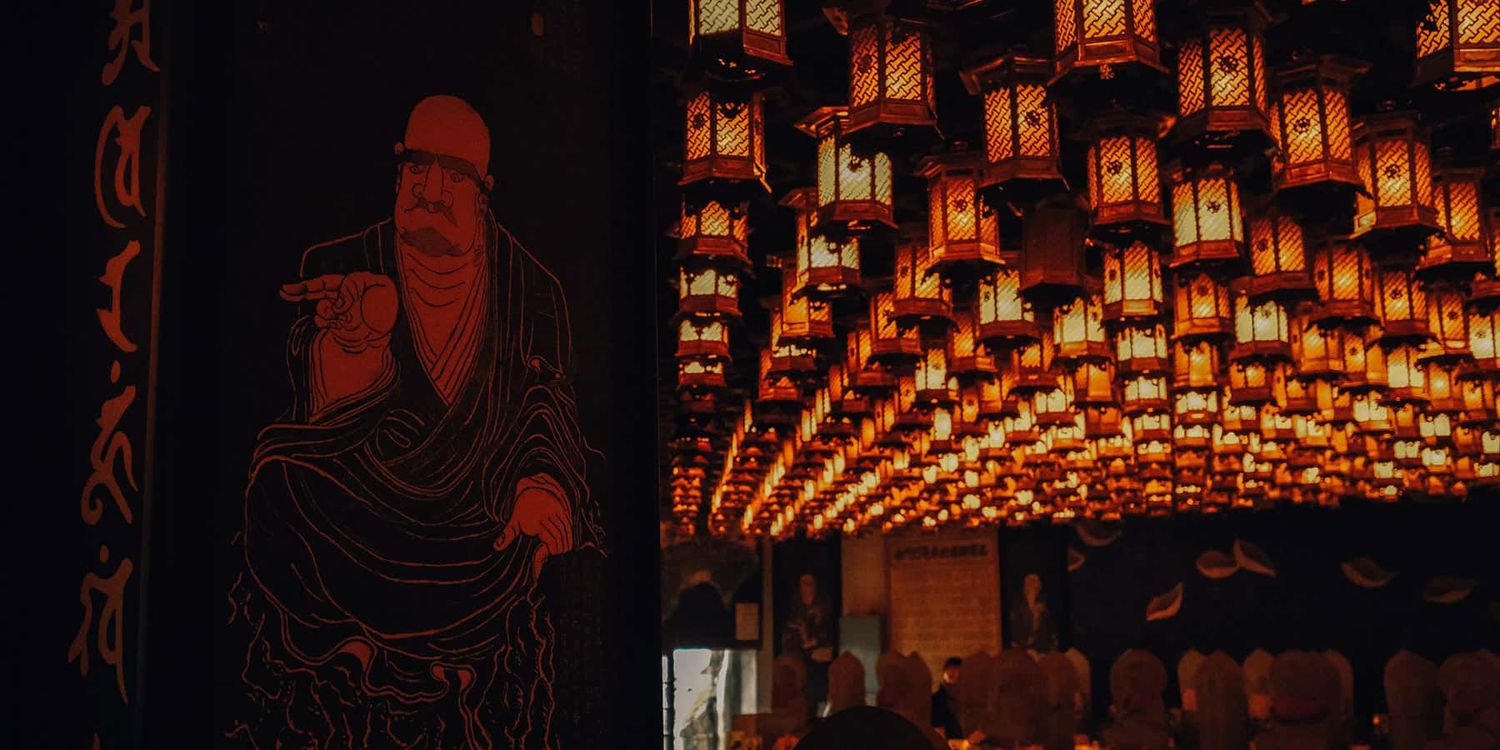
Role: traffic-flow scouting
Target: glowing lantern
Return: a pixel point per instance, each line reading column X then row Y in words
column 920, row 295
column 1447, row 323
column 1320, row 352
column 1195, row 365
column 1005, row 319
column 714, row 232
column 933, row 386
column 1132, row 282
column 1256, row 382
column 1486, row 286
column 854, row 187
column 1394, row 164
column 889, row 341
column 1345, row 280
column 695, row 373
column 1124, row 177
column 1020, row 122
column 1206, row 221
column 1458, row 39
column 1260, row 329
column 1221, row 81
column 1401, row 306
column 740, row 34
column 890, row 75
column 825, row 265
column 802, row 318
column 1483, row 327
column 1406, row 379
column 1278, row 258
column 1459, row 248
column 1310, row 122
column 702, row 338
column 725, row 139
column 1103, row 33
column 1365, row 365
column 1142, row 349
column 708, row 291
column 1201, row 307
column 1145, row 393
column 965, row 354
column 962, row 228
column 1078, row 331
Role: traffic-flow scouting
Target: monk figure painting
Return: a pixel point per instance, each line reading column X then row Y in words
column 399, row 515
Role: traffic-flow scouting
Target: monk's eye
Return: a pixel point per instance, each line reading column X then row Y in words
column 455, row 177
column 416, row 167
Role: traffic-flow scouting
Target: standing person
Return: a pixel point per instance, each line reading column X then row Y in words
column 945, row 700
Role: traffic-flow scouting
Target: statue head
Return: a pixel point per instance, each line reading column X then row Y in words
column 443, row 180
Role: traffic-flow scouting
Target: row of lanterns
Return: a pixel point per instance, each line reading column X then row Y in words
column 1161, row 342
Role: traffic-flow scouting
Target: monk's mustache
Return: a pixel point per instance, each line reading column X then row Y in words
column 429, row 241
column 433, row 207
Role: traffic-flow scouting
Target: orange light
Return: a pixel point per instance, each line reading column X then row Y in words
column 890, row 74
column 1221, row 81
column 962, row 228
column 1459, row 249
column 708, row 291
column 1005, row 319
column 1345, row 279
column 1201, row 307
column 1124, row 180
column 1394, row 164
column 825, row 265
column 854, row 186
column 725, row 139
column 1132, row 282
column 1310, row 123
column 920, row 296
column 1278, row 257
column 739, row 33
column 713, row 232
column 1102, row 33
column 1206, row 221
column 1020, row 121
column 1458, row 40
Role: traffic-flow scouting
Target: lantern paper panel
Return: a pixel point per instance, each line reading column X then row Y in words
column 962, row 228
column 825, row 265
column 1206, row 221
column 1124, row 181
column 1132, row 282
column 1005, row 318
column 1278, row 257
column 725, row 139
column 1344, row 276
column 708, row 291
column 1460, row 246
column 920, row 296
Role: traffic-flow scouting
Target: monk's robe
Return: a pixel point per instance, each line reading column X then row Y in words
column 370, row 524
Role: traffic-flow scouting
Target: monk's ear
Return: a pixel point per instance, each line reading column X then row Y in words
column 489, row 182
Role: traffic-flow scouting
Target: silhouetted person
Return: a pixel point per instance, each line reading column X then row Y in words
column 945, row 700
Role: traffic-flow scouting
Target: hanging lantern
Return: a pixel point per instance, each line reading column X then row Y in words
column 1345, row 280
column 933, row 386
column 1201, row 307
column 700, row 374
column 1103, row 33
column 1446, row 323
column 1391, row 156
column 889, row 341
column 1124, row 177
column 1195, row 365
column 890, row 75
column 966, row 356
column 1206, row 221
column 854, row 187
column 1078, row 331
column 1310, row 123
column 1486, row 285
column 825, row 265
column 962, row 228
column 1142, row 350
column 702, row 338
column 1278, row 258
column 1318, row 351
column 1483, row 327
column 740, row 35
column 790, row 355
column 1145, row 393
column 714, row 232
column 1400, row 306
column 708, row 291
column 1052, row 254
column 1261, row 330
column 1132, row 282
column 920, row 297
column 1257, row 382
column 1005, row 319
column 725, row 140
column 1365, row 362
column 1406, row 378
column 803, row 319
column 1221, row 82
column 1458, row 40
column 1459, row 248
column 1020, row 122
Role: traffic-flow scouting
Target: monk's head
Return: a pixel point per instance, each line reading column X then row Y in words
column 443, row 179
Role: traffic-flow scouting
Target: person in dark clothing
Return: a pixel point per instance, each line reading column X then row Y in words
column 945, row 701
